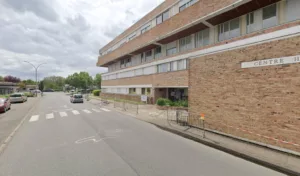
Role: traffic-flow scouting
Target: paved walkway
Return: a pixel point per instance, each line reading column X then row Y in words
column 259, row 153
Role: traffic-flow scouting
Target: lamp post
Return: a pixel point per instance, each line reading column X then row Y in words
column 36, row 70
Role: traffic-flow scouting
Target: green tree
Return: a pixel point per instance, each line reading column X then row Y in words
column 41, row 86
column 22, row 85
column 29, row 82
column 54, row 82
column 1, row 79
column 97, row 80
column 80, row 80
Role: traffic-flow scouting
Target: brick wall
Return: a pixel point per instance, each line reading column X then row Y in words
column 159, row 9
column 198, row 10
column 177, row 78
column 262, row 100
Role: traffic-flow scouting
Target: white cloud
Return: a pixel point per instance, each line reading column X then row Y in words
column 66, row 34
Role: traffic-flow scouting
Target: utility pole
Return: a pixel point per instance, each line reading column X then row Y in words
column 36, row 72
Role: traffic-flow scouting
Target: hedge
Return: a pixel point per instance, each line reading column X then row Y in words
column 96, row 92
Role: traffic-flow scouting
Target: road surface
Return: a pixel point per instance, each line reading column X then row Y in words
column 63, row 139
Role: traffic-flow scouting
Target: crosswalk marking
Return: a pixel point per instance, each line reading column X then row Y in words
column 63, row 114
column 34, row 118
column 105, row 109
column 75, row 112
column 87, row 111
column 50, row 116
column 96, row 110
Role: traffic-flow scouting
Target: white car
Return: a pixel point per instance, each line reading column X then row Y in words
column 18, row 98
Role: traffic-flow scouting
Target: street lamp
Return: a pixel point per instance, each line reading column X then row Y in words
column 36, row 69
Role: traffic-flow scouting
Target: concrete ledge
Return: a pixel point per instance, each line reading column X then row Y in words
column 230, row 151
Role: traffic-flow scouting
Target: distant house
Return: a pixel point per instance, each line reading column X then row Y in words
column 31, row 87
column 8, row 87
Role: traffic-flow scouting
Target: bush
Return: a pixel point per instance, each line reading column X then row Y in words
column 96, row 92
column 29, row 94
column 161, row 102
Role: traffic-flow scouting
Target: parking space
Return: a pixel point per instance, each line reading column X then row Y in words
column 10, row 120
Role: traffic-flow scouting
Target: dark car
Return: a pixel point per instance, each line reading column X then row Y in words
column 4, row 104
column 48, row 90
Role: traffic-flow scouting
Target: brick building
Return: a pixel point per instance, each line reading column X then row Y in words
column 234, row 60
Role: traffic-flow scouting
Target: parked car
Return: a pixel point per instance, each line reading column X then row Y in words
column 76, row 98
column 18, row 98
column 4, row 104
column 48, row 90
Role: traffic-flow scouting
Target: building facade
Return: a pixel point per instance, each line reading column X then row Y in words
column 237, row 61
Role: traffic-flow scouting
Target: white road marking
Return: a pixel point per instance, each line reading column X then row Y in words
column 93, row 139
column 105, row 109
column 63, row 114
column 96, row 110
column 34, row 118
column 87, row 111
column 50, row 116
column 75, row 112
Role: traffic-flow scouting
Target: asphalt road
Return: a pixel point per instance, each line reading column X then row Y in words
column 64, row 139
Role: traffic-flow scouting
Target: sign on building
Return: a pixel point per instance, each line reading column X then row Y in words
column 144, row 98
column 271, row 62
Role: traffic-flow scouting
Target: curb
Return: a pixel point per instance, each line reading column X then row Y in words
column 232, row 152
column 10, row 136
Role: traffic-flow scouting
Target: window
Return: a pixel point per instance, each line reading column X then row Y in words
column 270, row 16
column 148, row 91
column 250, row 22
column 165, row 15
column 122, row 63
column 159, row 19
column 143, row 91
column 145, row 29
column 181, row 64
column 157, row 52
column 229, row 29
column 185, row 43
column 131, row 37
column 171, row 48
column 132, row 90
column 148, row 56
column 292, row 10
column 202, row 38
column 185, row 5
column 128, row 62
column 162, row 17
column 163, row 67
column 142, row 57
column 173, row 66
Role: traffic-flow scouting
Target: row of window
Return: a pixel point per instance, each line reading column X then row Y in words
column 158, row 20
column 257, row 20
column 138, row 91
column 165, row 67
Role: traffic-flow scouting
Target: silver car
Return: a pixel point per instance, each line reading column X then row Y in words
column 76, row 98
column 18, row 98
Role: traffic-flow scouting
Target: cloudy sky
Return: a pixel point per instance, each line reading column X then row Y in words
column 66, row 34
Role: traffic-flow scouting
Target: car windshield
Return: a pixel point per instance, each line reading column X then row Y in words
column 78, row 96
column 16, row 95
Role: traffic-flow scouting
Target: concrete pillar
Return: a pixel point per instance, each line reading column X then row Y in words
column 193, row 41
column 164, row 50
column 281, row 8
column 138, row 91
column 212, row 35
column 216, row 34
column 243, row 24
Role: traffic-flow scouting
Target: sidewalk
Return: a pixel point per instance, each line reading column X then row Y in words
column 287, row 162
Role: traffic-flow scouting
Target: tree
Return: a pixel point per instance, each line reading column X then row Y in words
column 41, row 86
column 97, row 80
column 22, row 85
column 29, row 82
column 12, row 79
column 80, row 80
column 54, row 82
column 1, row 79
